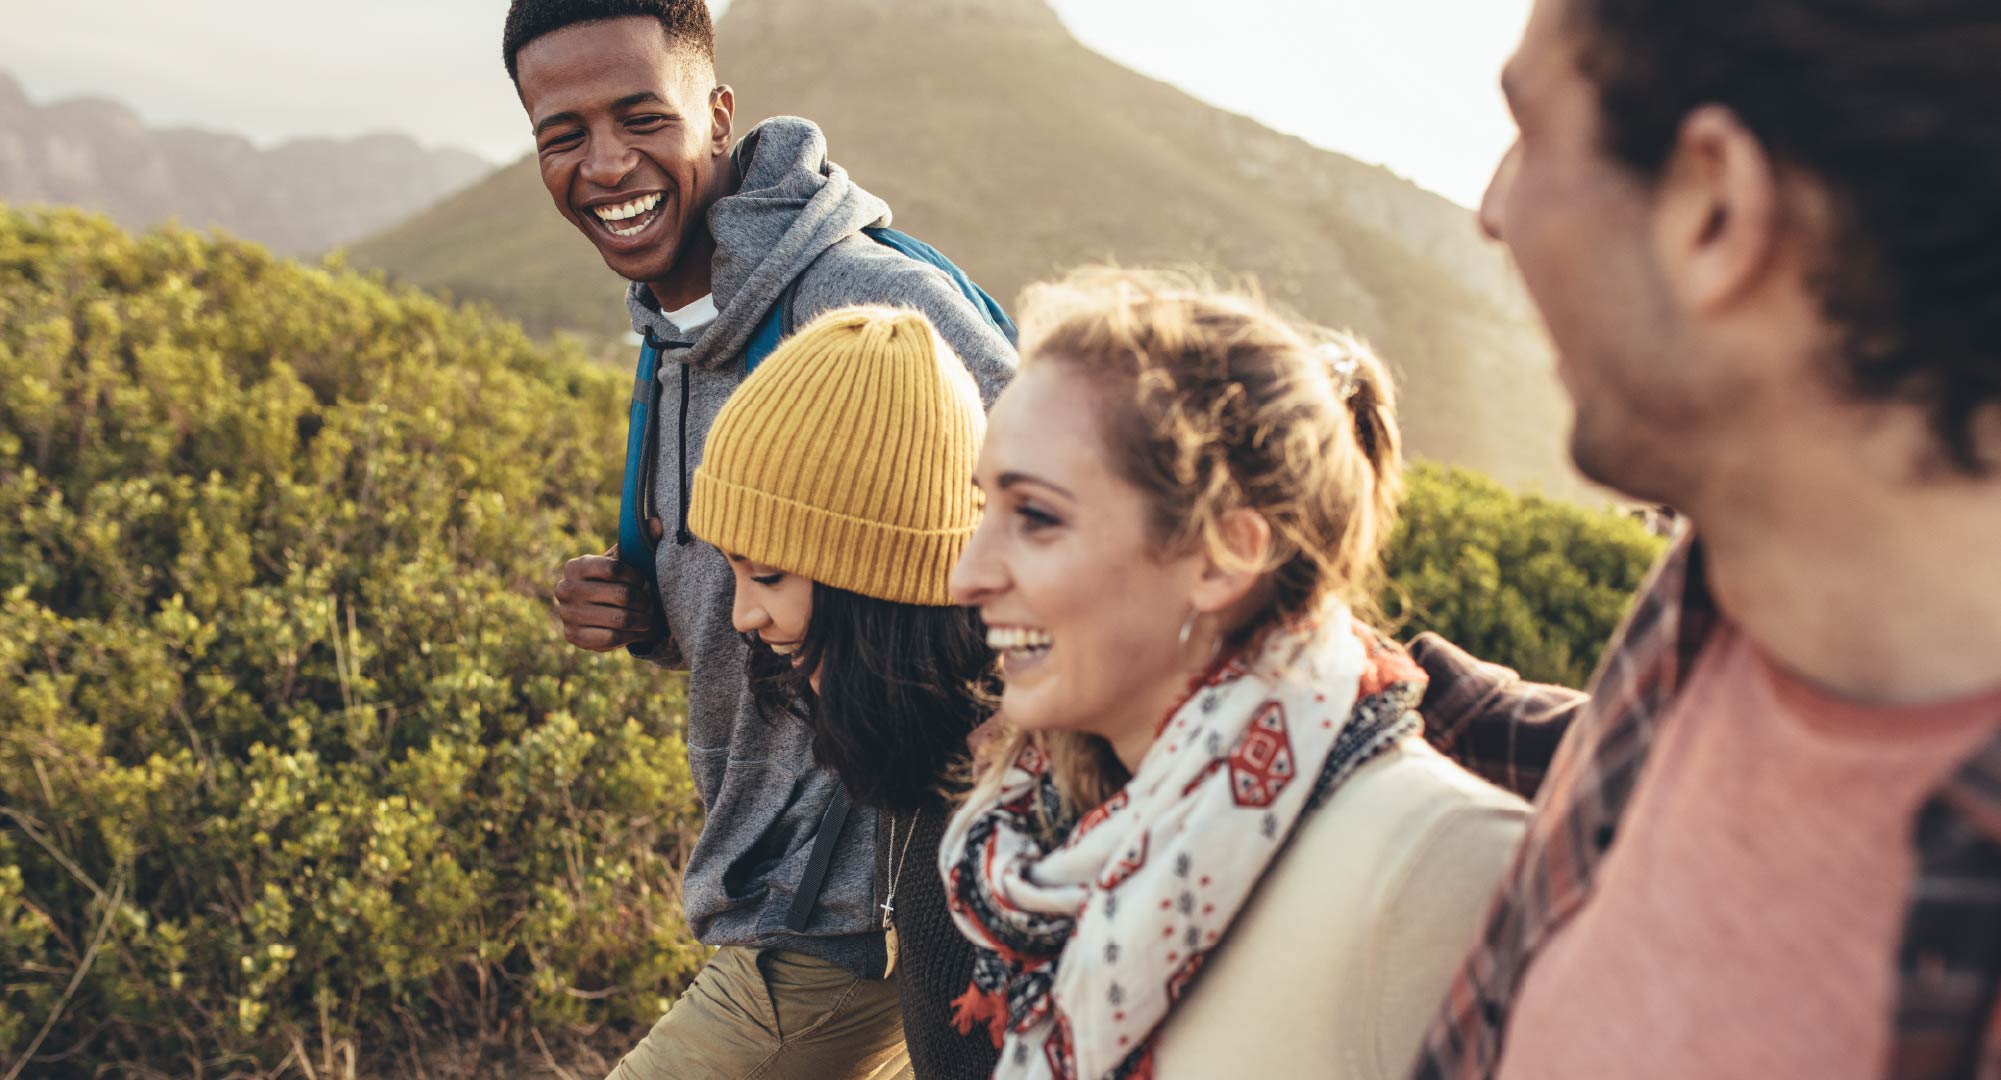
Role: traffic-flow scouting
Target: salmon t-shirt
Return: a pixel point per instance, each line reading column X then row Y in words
column 1746, row 920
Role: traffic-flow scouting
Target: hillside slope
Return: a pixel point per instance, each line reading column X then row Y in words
column 306, row 195
column 998, row 137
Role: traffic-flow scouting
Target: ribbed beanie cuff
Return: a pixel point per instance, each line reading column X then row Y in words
column 904, row 566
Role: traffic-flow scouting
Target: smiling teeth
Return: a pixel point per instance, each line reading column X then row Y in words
column 1017, row 639
column 623, row 211
column 628, row 209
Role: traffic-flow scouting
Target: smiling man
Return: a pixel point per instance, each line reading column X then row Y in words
column 1764, row 239
column 634, row 136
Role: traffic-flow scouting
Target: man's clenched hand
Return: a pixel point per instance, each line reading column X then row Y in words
column 605, row 604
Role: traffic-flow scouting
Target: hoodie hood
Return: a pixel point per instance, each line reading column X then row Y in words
column 792, row 206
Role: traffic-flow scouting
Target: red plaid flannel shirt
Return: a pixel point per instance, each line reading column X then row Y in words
column 1948, row 1018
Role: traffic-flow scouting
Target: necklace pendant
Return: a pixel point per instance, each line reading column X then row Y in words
column 893, row 872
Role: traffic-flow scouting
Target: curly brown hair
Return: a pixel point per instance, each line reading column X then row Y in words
column 1212, row 401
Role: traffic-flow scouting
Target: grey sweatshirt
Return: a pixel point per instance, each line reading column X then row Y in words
column 796, row 216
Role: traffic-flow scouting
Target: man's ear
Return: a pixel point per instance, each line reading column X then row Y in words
column 722, row 115
column 1717, row 218
column 1229, row 576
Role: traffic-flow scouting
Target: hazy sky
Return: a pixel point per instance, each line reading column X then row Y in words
column 1407, row 83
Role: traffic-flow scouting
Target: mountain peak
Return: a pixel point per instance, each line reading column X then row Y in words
column 300, row 196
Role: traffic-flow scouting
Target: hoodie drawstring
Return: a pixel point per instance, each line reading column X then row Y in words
column 682, row 536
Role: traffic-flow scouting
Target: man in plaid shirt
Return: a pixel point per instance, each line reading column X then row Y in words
column 1766, row 237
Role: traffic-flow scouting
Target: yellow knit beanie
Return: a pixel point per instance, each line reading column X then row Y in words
column 847, row 457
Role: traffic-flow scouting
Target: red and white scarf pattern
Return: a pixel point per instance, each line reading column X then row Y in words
column 1086, row 946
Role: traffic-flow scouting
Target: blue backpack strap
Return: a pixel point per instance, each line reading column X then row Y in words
column 764, row 340
column 635, row 497
column 917, row 249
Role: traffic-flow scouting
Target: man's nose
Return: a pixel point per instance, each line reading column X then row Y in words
column 607, row 161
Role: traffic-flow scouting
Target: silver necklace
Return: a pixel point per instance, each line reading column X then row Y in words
column 888, row 905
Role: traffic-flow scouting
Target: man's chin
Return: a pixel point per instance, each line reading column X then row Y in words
column 651, row 264
column 1623, row 459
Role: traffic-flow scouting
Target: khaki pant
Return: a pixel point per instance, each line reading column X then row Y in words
column 763, row 1014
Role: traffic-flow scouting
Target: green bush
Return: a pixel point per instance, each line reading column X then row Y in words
column 1531, row 582
column 291, row 749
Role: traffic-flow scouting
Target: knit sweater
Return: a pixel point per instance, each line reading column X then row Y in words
column 935, row 962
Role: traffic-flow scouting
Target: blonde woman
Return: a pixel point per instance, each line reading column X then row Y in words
column 1211, row 841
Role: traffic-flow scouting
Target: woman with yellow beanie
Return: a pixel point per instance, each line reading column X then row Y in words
column 838, row 482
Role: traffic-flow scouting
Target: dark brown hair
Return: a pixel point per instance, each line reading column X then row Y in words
column 1890, row 104
column 901, row 688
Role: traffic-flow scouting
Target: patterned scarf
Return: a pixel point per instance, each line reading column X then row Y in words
column 1085, row 943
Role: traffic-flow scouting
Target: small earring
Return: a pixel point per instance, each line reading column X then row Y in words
column 1188, row 627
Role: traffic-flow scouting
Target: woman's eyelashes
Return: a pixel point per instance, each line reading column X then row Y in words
column 768, row 580
column 1035, row 519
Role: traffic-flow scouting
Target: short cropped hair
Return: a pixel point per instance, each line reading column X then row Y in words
column 1890, row 104
column 686, row 23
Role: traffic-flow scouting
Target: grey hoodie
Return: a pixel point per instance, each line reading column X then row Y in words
column 796, row 216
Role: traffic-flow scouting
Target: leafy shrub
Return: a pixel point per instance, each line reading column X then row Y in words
column 1531, row 582
column 291, row 749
